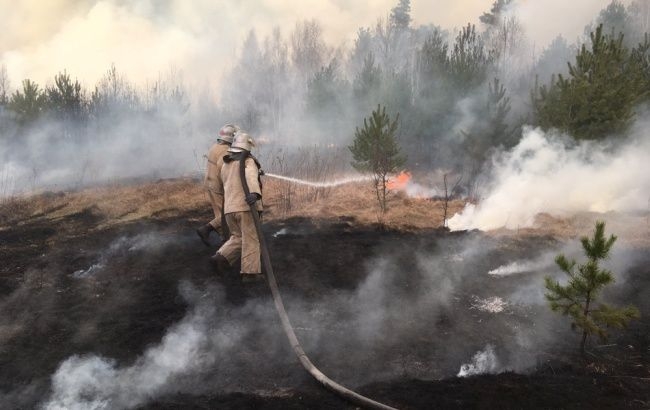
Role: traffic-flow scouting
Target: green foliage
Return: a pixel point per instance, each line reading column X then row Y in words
column 434, row 64
column 375, row 150
column 598, row 97
column 491, row 129
column 367, row 83
column 28, row 104
column 326, row 95
column 493, row 17
column 640, row 57
column 65, row 98
column 578, row 297
column 469, row 60
column 400, row 15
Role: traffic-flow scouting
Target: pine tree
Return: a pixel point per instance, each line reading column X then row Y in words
column 65, row 101
column 598, row 97
column 400, row 15
column 28, row 104
column 326, row 94
column 469, row 61
column 367, row 83
column 434, row 64
column 640, row 56
column 578, row 297
column 492, row 129
column 493, row 17
column 375, row 150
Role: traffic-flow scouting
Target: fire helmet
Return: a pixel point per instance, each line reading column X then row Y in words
column 227, row 133
column 241, row 142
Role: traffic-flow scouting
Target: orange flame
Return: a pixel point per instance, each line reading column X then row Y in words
column 399, row 182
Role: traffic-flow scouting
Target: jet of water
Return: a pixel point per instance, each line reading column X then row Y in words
column 324, row 184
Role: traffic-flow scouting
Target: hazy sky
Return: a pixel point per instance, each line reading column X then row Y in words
column 144, row 38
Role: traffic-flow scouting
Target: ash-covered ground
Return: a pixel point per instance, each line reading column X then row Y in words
column 133, row 316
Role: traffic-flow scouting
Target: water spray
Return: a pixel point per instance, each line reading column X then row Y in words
column 330, row 384
column 325, row 184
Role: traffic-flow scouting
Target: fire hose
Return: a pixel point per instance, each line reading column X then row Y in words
column 330, row 384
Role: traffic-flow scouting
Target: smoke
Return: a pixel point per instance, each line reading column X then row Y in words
column 143, row 38
column 543, row 173
column 418, row 316
column 92, row 382
column 137, row 145
column 484, row 361
column 524, row 266
column 546, row 20
column 197, row 47
column 146, row 242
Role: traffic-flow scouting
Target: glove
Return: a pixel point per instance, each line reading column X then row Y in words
column 221, row 234
column 252, row 198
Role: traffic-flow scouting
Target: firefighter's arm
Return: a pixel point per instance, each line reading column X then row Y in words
column 252, row 177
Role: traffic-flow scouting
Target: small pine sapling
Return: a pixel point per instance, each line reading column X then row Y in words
column 578, row 297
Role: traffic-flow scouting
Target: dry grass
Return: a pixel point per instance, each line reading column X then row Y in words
column 124, row 203
column 359, row 201
column 117, row 203
column 633, row 229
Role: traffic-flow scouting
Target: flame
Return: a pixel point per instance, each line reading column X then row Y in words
column 399, row 182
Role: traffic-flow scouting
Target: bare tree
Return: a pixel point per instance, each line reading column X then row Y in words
column 276, row 61
column 4, row 86
column 448, row 191
column 385, row 33
column 308, row 49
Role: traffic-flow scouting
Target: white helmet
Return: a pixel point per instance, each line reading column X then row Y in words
column 227, row 133
column 242, row 142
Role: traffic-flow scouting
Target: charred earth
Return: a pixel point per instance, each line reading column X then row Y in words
column 132, row 315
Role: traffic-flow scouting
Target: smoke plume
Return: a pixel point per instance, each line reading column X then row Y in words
column 92, row 382
column 544, row 173
column 144, row 39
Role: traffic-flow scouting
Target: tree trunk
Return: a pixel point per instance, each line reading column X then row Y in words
column 584, row 331
column 383, row 192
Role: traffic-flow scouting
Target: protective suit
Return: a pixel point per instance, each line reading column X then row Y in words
column 215, row 191
column 213, row 185
column 243, row 241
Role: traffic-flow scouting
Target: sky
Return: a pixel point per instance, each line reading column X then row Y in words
column 146, row 39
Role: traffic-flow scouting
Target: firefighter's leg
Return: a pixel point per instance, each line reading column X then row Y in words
column 231, row 249
column 250, row 253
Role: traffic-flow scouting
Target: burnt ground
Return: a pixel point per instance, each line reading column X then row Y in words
column 392, row 314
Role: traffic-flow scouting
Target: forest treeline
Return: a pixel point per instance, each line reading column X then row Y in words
column 459, row 94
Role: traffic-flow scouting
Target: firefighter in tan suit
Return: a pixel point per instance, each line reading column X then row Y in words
column 213, row 185
column 243, row 241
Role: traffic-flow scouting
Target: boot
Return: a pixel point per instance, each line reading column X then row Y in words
column 252, row 277
column 204, row 233
column 220, row 263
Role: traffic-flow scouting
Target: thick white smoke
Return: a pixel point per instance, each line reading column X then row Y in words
column 543, row 173
column 484, row 361
column 143, row 38
column 92, row 382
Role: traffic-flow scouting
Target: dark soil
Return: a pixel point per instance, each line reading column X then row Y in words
column 421, row 317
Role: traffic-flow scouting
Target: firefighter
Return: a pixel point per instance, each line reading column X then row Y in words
column 213, row 185
column 243, row 242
